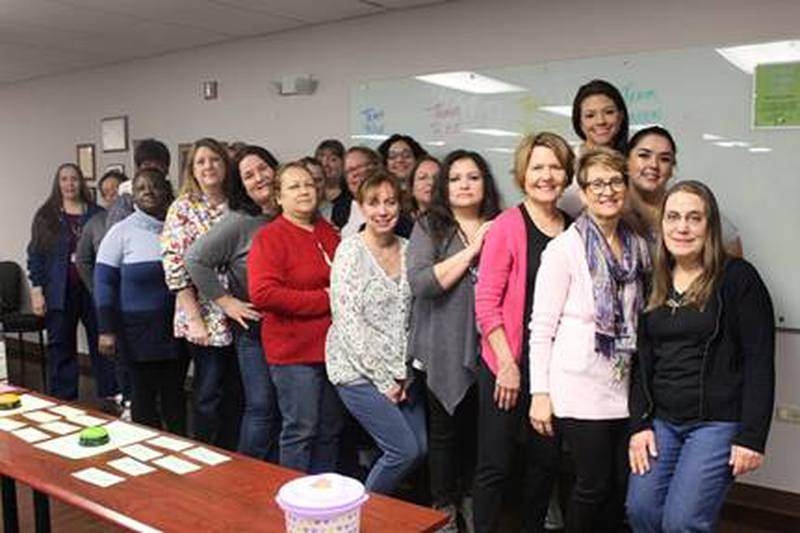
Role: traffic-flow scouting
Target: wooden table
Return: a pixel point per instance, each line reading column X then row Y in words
column 237, row 495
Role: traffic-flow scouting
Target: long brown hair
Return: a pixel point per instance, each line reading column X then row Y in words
column 713, row 255
column 47, row 220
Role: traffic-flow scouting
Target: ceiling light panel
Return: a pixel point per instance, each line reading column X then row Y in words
column 470, row 82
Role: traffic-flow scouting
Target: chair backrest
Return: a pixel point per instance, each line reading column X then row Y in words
column 10, row 287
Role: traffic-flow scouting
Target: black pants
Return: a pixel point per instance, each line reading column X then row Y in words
column 217, row 395
column 452, row 443
column 158, row 394
column 599, row 449
column 498, row 433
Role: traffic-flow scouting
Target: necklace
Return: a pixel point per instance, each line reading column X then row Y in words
column 675, row 301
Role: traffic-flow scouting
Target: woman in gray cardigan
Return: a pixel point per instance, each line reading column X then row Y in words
column 443, row 340
column 224, row 249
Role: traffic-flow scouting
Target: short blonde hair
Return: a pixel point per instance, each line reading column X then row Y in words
column 556, row 143
column 604, row 157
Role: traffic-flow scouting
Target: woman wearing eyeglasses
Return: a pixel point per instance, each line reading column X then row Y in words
column 400, row 154
column 589, row 292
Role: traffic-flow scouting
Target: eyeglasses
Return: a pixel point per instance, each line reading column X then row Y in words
column 398, row 154
column 616, row 184
column 357, row 168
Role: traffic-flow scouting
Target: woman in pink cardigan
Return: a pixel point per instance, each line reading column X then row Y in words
column 589, row 292
column 503, row 299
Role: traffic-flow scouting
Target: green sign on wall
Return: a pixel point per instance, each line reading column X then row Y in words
column 777, row 98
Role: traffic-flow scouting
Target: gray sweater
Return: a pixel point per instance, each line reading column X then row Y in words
column 223, row 249
column 443, row 334
column 86, row 249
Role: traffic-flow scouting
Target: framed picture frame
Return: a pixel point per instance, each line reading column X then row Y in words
column 114, row 133
column 117, row 167
column 85, row 158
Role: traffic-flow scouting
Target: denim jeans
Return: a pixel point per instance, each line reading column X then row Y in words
column 398, row 429
column 312, row 417
column 687, row 483
column 258, row 436
column 62, row 358
column 217, row 395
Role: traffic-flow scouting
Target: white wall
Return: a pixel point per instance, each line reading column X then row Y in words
column 41, row 121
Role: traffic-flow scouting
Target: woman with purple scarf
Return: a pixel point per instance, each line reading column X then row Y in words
column 589, row 292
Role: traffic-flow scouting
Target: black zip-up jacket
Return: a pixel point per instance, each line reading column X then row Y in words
column 737, row 377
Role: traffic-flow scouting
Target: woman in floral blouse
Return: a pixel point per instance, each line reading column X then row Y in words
column 216, row 384
column 365, row 353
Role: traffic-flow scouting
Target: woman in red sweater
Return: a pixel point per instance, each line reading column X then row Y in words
column 288, row 273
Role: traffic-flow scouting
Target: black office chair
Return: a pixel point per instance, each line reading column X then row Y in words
column 15, row 321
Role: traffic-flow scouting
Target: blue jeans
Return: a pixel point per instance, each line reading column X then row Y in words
column 216, row 395
column 398, row 429
column 686, row 485
column 312, row 417
column 62, row 359
column 258, row 436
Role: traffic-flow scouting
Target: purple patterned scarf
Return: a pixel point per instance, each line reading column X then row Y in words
column 617, row 286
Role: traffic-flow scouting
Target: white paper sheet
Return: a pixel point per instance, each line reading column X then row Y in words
column 60, row 428
column 98, row 477
column 87, row 420
column 41, row 416
column 171, row 444
column 6, row 424
column 29, row 403
column 31, row 434
column 120, row 434
column 67, row 411
column 131, row 466
column 204, row 455
column 141, row 452
column 176, row 465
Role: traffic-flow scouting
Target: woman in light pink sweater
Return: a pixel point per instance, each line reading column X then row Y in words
column 589, row 292
column 543, row 167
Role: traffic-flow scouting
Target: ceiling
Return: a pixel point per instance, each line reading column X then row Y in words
column 47, row 37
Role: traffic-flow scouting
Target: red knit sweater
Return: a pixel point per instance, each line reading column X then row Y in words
column 288, row 275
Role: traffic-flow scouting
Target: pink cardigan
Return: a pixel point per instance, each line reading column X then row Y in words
column 562, row 355
column 500, row 292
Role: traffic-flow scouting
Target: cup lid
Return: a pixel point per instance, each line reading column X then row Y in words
column 321, row 492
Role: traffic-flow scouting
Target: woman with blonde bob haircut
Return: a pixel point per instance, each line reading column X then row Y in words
column 543, row 167
column 703, row 384
column 589, row 293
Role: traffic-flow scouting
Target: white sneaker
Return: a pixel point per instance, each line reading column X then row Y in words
column 126, row 411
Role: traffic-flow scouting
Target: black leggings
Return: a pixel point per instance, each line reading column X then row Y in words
column 599, row 450
column 157, row 384
column 498, row 435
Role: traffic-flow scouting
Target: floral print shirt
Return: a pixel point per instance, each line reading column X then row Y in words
column 189, row 217
column 367, row 339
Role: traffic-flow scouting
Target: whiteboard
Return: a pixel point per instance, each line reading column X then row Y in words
column 695, row 93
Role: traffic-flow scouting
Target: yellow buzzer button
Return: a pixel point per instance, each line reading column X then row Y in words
column 9, row 401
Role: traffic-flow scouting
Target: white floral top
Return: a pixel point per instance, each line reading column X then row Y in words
column 368, row 337
column 189, row 217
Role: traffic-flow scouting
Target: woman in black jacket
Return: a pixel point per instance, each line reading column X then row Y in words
column 703, row 386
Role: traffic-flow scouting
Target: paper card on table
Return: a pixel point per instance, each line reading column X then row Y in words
column 6, row 424
column 141, row 452
column 67, row 411
column 204, row 455
column 120, row 434
column 98, row 477
column 28, row 402
column 31, row 434
column 130, row 466
column 41, row 416
column 60, row 428
column 176, row 464
column 87, row 420
column 169, row 443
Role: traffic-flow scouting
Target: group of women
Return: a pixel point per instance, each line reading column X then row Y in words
column 625, row 336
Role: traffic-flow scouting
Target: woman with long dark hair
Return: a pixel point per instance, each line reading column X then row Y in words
column 225, row 249
column 57, row 292
column 704, row 379
column 443, row 255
